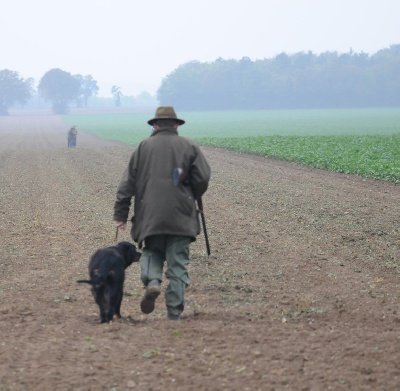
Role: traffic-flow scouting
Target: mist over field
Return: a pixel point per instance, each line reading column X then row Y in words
column 298, row 81
column 141, row 54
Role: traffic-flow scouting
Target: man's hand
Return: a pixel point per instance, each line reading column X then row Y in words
column 120, row 224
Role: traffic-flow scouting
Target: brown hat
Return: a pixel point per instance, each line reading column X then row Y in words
column 165, row 112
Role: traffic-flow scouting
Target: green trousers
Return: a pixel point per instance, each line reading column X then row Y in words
column 174, row 250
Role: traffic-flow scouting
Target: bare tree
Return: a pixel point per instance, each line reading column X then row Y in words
column 116, row 92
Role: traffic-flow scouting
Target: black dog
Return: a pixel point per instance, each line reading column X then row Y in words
column 107, row 275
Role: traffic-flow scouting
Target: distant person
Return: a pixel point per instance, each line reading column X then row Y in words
column 165, row 216
column 72, row 133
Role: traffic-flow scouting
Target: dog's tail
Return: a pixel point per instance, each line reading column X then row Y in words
column 86, row 282
column 98, row 277
column 97, row 281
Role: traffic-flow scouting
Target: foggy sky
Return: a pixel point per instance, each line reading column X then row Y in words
column 134, row 44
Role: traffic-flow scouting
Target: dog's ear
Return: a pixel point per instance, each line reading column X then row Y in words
column 129, row 253
column 136, row 256
column 124, row 246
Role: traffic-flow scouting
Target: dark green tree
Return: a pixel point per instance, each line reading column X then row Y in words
column 302, row 80
column 13, row 89
column 60, row 88
column 87, row 88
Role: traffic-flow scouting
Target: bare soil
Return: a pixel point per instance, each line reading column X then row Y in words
column 301, row 291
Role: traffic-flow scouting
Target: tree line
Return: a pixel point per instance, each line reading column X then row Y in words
column 301, row 80
column 60, row 88
column 56, row 86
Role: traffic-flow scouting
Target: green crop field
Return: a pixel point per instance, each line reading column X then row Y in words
column 365, row 142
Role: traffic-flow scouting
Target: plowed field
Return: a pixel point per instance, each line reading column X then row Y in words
column 301, row 291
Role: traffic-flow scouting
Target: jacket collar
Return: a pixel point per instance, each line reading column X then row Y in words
column 164, row 131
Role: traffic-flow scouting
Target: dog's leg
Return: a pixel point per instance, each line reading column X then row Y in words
column 101, row 302
column 114, row 303
column 103, row 315
column 107, row 305
column 119, row 301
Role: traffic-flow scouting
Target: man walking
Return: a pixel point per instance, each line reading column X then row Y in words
column 165, row 217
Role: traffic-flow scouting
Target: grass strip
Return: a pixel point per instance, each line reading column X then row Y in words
column 369, row 156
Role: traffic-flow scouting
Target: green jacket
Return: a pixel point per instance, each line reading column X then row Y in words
column 160, row 206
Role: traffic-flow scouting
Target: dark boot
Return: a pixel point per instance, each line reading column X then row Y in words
column 153, row 290
column 174, row 317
